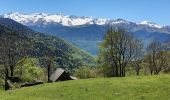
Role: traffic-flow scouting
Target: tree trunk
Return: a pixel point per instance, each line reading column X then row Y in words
column 21, row 71
column 117, row 73
column 49, row 69
column 6, row 79
column 137, row 70
column 151, row 72
column 123, row 72
column 120, row 72
column 12, row 71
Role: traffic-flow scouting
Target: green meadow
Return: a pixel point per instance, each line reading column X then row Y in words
column 125, row 88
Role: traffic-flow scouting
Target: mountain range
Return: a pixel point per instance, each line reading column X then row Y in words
column 66, row 55
column 88, row 32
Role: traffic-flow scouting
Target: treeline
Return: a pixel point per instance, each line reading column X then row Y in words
column 15, row 49
column 28, row 56
column 121, row 53
column 121, row 49
column 22, row 61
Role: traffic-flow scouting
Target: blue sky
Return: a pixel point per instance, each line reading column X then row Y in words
column 132, row 10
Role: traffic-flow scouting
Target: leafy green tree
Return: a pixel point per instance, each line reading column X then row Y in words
column 31, row 70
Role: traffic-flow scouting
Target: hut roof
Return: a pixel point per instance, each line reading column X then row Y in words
column 56, row 74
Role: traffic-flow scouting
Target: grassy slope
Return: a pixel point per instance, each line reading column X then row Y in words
column 128, row 88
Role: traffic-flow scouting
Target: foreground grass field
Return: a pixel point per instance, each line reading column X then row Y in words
column 128, row 88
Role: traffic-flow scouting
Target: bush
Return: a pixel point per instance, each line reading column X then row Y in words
column 86, row 72
column 30, row 70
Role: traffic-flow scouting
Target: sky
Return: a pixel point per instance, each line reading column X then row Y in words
column 157, row 11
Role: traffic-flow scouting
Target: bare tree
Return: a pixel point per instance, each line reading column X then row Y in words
column 47, row 60
column 138, row 56
column 157, row 57
column 49, row 57
column 117, row 50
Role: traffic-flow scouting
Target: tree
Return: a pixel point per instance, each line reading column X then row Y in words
column 31, row 70
column 157, row 57
column 138, row 55
column 117, row 51
column 47, row 59
column 13, row 48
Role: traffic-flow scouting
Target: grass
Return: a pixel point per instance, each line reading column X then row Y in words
column 127, row 88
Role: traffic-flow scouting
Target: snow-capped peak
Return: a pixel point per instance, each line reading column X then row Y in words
column 65, row 20
column 151, row 24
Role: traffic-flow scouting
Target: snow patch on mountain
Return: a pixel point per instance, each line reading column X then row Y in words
column 58, row 18
column 65, row 20
column 151, row 24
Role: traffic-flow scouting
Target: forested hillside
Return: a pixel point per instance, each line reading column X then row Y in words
column 66, row 55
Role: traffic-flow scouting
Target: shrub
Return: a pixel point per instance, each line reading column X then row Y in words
column 30, row 70
column 86, row 72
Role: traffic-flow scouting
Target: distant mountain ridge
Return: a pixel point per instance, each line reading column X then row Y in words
column 66, row 55
column 88, row 32
column 65, row 20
